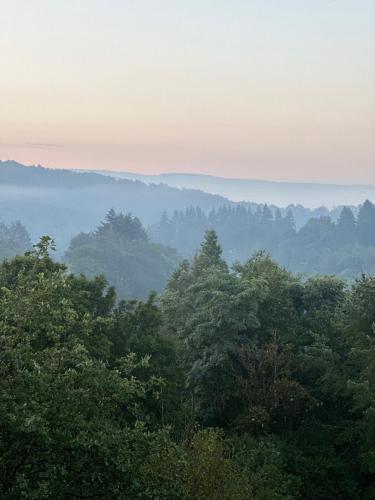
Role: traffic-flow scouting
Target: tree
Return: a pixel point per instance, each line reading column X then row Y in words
column 210, row 314
column 14, row 240
column 120, row 250
column 366, row 224
column 209, row 255
column 136, row 328
column 69, row 422
column 276, row 291
column 241, row 382
column 346, row 227
column 266, row 216
column 122, row 226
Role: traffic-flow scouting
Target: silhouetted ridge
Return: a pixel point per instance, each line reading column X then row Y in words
column 15, row 173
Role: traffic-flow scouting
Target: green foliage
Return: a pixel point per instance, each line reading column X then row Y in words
column 211, row 471
column 340, row 242
column 71, row 426
column 120, row 250
column 14, row 240
column 277, row 293
column 243, row 383
column 265, row 462
column 209, row 255
column 267, row 354
column 210, row 312
column 202, row 468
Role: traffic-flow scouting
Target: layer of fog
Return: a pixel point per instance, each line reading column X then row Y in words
column 281, row 194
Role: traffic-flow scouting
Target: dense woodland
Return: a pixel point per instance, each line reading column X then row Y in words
column 152, row 364
column 233, row 384
column 345, row 247
column 63, row 203
column 120, row 249
column 187, row 293
column 135, row 260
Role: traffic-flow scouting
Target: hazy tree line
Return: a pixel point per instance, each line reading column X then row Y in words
column 345, row 247
column 63, row 203
column 121, row 250
column 233, row 384
column 136, row 261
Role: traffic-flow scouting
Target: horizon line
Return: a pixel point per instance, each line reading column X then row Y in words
column 103, row 171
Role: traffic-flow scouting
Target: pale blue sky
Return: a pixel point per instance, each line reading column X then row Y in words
column 263, row 89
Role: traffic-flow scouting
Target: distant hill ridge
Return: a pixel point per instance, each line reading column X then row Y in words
column 188, row 175
column 279, row 193
column 14, row 173
column 62, row 202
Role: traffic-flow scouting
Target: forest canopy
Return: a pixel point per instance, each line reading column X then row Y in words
column 136, row 260
column 237, row 383
column 121, row 250
column 344, row 246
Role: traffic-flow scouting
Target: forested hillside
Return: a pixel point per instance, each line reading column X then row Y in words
column 344, row 246
column 136, row 261
column 236, row 384
column 121, row 250
column 187, row 250
column 310, row 194
column 63, row 203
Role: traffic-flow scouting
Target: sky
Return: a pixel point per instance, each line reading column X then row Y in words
column 262, row 89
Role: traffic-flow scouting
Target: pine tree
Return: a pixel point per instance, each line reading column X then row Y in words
column 209, row 254
column 346, row 227
column 267, row 215
column 366, row 224
column 110, row 216
column 290, row 220
column 278, row 215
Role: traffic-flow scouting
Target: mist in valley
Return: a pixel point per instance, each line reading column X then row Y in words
column 187, row 250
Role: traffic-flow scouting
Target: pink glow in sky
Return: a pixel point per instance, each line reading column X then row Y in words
column 280, row 90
